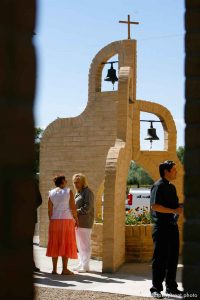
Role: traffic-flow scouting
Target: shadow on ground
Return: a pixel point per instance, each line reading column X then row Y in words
column 44, row 278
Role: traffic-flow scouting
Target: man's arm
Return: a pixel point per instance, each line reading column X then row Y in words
column 38, row 198
column 162, row 209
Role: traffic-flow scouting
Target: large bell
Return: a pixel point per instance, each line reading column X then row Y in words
column 111, row 76
column 151, row 134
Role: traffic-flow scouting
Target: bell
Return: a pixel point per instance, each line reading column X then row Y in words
column 111, row 76
column 151, row 135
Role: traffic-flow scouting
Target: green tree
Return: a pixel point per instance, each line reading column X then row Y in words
column 138, row 176
column 180, row 153
column 38, row 135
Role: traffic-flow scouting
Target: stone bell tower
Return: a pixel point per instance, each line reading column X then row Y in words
column 101, row 142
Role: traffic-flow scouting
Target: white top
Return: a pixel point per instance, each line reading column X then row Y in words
column 60, row 199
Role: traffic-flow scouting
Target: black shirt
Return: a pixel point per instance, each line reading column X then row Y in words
column 164, row 193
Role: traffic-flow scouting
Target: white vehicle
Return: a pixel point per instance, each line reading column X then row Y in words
column 138, row 199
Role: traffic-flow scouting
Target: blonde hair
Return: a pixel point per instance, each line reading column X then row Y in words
column 82, row 178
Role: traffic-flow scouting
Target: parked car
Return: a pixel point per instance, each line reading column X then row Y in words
column 138, row 198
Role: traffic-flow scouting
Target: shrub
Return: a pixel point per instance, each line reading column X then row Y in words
column 138, row 216
column 134, row 216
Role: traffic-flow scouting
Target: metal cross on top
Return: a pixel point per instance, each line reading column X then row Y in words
column 129, row 27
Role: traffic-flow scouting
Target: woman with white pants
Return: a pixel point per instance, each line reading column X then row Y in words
column 84, row 200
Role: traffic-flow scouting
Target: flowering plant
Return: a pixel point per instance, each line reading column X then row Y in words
column 135, row 216
column 138, row 216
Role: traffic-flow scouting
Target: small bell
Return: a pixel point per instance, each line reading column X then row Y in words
column 151, row 135
column 111, row 75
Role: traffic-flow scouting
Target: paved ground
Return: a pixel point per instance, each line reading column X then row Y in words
column 63, row 294
column 131, row 279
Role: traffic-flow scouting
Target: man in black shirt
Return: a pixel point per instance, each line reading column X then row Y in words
column 165, row 210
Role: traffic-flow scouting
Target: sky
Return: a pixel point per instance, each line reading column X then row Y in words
column 70, row 33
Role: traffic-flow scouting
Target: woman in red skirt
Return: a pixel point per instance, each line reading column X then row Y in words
column 63, row 219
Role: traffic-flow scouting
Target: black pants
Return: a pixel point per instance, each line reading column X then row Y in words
column 165, row 256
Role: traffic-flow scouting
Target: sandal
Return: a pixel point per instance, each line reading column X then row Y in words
column 54, row 273
column 67, row 272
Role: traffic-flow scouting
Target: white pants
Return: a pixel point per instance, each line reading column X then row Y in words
column 83, row 237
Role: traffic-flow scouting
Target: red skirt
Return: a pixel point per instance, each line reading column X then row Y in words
column 62, row 239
